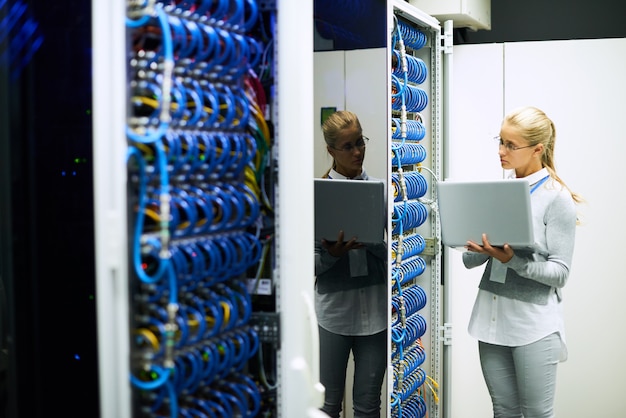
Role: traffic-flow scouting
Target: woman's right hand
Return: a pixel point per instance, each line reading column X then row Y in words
column 503, row 254
column 339, row 248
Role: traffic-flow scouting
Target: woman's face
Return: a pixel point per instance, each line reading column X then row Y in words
column 348, row 152
column 516, row 154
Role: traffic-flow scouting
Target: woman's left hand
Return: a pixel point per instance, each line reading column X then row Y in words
column 502, row 254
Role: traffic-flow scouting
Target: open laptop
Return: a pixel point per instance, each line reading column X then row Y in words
column 499, row 208
column 355, row 206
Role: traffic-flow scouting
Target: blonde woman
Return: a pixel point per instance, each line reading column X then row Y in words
column 350, row 290
column 518, row 313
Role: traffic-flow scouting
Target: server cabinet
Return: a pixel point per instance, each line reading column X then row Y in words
column 203, row 303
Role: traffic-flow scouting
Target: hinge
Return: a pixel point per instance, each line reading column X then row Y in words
column 446, row 336
column 447, row 39
column 431, row 248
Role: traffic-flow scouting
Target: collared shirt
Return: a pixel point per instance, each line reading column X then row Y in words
column 335, row 175
column 505, row 321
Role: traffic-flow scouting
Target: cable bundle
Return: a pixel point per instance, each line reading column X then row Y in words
column 410, row 246
column 412, row 37
column 412, row 98
column 216, row 207
column 233, row 397
column 411, row 269
column 409, row 378
column 409, row 213
column 414, row 130
column 416, row 70
column 414, row 407
column 408, row 333
column 409, row 154
column 411, row 383
column 414, row 299
column 416, row 185
column 196, row 137
column 414, row 357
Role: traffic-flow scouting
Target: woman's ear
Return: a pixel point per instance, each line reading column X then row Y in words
column 330, row 150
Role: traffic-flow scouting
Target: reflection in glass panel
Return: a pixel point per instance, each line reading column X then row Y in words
column 351, row 74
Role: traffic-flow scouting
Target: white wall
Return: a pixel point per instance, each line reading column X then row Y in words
column 581, row 86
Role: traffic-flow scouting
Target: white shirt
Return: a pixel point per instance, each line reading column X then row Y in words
column 504, row 321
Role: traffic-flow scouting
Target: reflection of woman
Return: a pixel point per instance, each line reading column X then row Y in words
column 518, row 314
column 350, row 296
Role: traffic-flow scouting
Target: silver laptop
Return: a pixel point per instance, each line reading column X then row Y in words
column 355, row 206
column 499, row 208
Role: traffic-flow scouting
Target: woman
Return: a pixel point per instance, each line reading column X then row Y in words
column 518, row 313
column 350, row 290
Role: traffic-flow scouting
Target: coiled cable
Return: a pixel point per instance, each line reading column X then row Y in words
column 415, row 184
column 414, row 130
column 411, row 36
column 415, row 68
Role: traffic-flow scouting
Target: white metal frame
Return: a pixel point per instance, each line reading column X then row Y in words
column 300, row 394
column 109, row 150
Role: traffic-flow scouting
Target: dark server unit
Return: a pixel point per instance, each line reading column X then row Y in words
column 48, row 350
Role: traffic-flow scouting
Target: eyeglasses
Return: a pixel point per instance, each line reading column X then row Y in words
column 509, row 145
column 360, row 145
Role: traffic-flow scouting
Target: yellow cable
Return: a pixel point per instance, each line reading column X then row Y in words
column 152, row 214
column 226, row 308
column 146, row 100
column 149, row 336
column 145, row 149
column 434, row 393
column 262, row 124
column 250, row 180
column 435, row 384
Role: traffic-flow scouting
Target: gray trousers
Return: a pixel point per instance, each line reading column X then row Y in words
column 521, row 380
column 370, row 361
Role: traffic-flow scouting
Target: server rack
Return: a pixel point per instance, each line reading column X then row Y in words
column 175, row 199
column 416, row 92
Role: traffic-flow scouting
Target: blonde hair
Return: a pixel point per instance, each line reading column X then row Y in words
column 537, row 128
column 334, row 125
